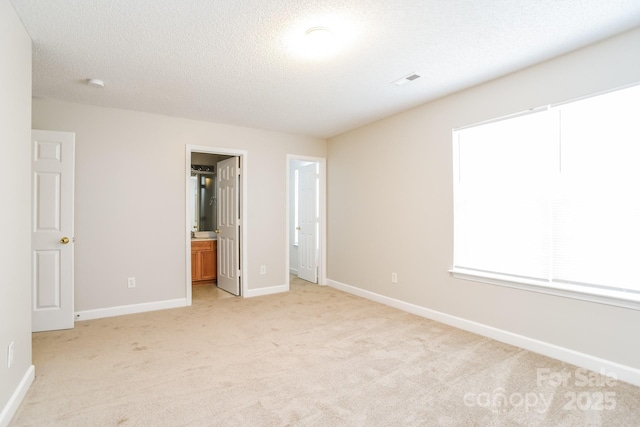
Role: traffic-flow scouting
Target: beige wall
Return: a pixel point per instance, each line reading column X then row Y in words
column 15, row 189
column 130, row 199
column 391, row 206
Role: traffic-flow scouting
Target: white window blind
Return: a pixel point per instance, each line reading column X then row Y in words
column 552, row 198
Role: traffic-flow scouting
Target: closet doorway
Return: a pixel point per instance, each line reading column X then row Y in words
column 306, row 219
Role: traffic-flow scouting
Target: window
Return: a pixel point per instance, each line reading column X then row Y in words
column 550, row 200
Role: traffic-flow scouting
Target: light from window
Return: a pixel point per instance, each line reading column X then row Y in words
column 551, row 199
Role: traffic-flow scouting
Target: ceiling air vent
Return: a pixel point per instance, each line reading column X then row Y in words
column 406, row 79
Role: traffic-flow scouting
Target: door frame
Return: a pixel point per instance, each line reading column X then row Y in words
column 322, row 235
column 244, row 230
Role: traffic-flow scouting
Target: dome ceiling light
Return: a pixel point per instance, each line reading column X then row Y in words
column 95, row 83
column 320, row 41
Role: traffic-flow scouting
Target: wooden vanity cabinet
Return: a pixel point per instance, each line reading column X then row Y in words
column 204, row 258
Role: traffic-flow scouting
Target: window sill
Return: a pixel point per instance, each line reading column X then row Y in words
column 580, row 292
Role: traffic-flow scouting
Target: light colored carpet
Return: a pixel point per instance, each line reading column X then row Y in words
column 312, row 356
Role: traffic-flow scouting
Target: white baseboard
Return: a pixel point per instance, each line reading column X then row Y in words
column 622, row 372
column 265, row 291
column 129, row 309
column 17, row 397
column 293, row 271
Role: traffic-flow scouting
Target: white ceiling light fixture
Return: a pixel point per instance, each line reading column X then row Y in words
column 321, row 37
column 320, row 41
column 95, row 83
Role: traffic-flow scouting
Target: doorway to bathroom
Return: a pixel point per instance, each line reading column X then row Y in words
column 215, row 232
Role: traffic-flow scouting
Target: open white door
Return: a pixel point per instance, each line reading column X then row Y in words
column 52, row 230
column 308, row 222
column 227, row 189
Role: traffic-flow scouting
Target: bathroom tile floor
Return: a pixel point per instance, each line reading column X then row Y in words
column 208, row 292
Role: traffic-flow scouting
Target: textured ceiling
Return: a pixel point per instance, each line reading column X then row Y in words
column 241, row 62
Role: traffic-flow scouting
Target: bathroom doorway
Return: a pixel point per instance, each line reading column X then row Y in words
column 216, row 236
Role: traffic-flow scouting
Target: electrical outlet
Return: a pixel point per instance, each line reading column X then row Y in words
column 131, row 282
column 394, row 277
column 10, row 354
column 263, row 269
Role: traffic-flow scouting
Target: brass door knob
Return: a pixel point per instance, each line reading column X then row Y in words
column 298, row 228
column 64, row 240
column 217, row 231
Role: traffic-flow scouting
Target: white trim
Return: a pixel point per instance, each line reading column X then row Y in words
column 17, row 397
column 293, row 271
column 121, row 310
column 628, row 300
column 622, row 372
column 322, row 262
column 187, row 194
column 545, row 107
column 244, row 231
column 502, row 118
column 266, row 291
